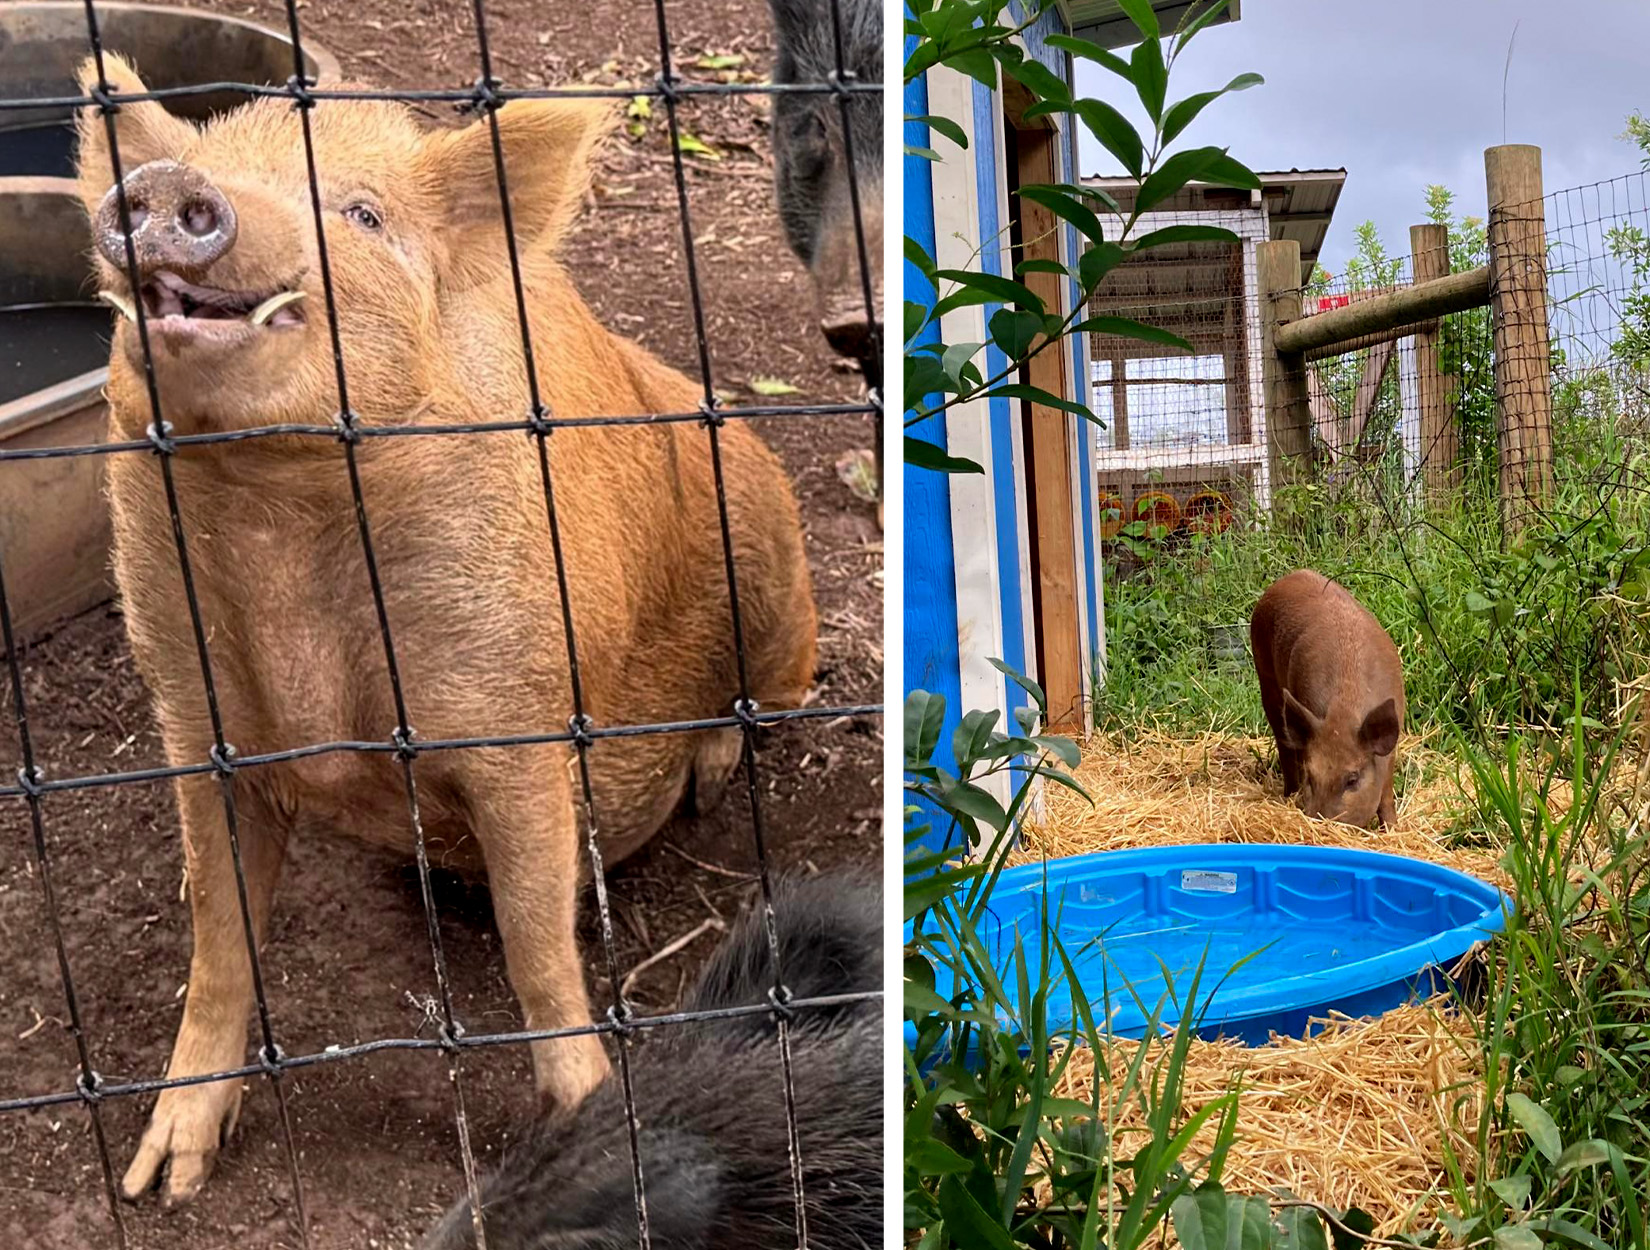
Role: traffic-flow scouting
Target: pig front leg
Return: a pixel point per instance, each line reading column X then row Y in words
column 190, row 1123
column 1386, row 814
column 534, row 848
column 1289, row 761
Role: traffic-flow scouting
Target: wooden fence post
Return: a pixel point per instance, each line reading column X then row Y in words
column 1288, row 409
column 1440, row 439
column 1518, row 313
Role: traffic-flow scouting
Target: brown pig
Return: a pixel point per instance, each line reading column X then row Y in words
column 229, row 280
column 1333, row 689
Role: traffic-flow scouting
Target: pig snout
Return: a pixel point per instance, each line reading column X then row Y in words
column 179, row 220
column 845, row 324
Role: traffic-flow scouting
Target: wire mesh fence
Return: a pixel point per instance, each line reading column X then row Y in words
column 1378, row 413
column 1478, row 471
column 354, row 427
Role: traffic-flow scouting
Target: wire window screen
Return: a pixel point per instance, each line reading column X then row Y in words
column 449, row 1033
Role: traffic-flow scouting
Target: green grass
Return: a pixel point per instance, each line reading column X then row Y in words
column 1489, row 638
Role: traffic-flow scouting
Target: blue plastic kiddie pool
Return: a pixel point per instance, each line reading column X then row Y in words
column 1284, row 933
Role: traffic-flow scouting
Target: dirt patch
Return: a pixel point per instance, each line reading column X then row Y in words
column 347, row 959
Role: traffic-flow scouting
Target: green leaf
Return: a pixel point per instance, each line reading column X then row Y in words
column 996, row 289
column 1151, row 76
column 945, row 126
column 1201, row 1218
column 729, row 60
column 1182, row 234
column 977, row 63
column 1582, row 1154
column 1115, row 133
column 1477, row 604
column 1513, row 1190
column 1124, row 327
column 923, row 893
column 971, row 737
column 1063, row 205
column 1037, row 395
column 1210, row 165
column 1023, row 682
column 927, row 154
column 1090, row 51
column 1357, row 1226
column 916, row 316
column 1014, row 331
column 1204, row 17
column 932, row 1158
column 1044, row 83
column 956, row 356
column 966, row 1223
column 1537, row 1124
column 924, row 455
column 918, row 256
column 1300, row 1228
column 1040, row 266
column 1180, row 116
column 1516, row 1237
column 969, row 799
column 1144, row 17
column 924, row 714
column 1097, row 262
column 1571, row 1233
column 695, row 146
column 771, row 386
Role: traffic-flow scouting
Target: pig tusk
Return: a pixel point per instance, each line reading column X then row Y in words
column 119, row 303
column 264, row 311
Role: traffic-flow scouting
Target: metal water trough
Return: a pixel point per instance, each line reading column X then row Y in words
column 54, row 338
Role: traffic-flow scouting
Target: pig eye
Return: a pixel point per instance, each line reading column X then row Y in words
column 1351, row 782
column 365, row 216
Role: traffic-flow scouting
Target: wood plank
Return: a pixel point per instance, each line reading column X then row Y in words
column 1060, row 660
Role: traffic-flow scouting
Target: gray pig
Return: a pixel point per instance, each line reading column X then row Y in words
column 710, row 1108
column 1333, row 689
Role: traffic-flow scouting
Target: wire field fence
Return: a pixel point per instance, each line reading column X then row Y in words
column 353, row 431
column 1191, row 444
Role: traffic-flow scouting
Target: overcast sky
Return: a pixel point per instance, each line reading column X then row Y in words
column 1404, row 93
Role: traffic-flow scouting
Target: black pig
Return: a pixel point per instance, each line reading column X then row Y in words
column 810, row 148
column 710, row 1106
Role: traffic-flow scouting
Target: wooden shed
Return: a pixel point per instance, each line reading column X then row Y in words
column 1186, row 436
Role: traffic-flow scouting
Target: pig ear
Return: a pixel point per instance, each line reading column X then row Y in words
column 548, row 150
column 1300, row 723
column 144, row 131
column 1379, row 731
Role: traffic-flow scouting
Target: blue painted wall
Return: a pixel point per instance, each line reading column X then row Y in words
column 930, row 589
column 929, row 594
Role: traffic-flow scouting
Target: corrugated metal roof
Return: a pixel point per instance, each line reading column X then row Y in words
column 1299, row 203
column 1103, row 21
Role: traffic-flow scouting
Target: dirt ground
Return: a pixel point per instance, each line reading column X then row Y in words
column 347, row 959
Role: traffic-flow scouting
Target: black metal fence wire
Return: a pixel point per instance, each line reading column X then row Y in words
column 486, row 97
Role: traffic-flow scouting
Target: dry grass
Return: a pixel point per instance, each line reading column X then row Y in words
column 1360, row 1115
column 1160, row 791
column 1364, row 1113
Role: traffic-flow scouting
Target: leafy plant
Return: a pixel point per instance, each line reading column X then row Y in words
column 979, row 38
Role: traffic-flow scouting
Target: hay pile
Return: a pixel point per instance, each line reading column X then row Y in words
column 1364, row 1114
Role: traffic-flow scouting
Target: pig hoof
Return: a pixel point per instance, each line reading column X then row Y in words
column 181, row 1144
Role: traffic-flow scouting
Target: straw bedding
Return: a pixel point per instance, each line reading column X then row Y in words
column 1364, row 1114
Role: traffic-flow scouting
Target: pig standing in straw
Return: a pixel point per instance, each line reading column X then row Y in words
column 1333, row 689
column 229, row 282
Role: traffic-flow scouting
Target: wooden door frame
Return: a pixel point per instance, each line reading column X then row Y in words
column 1031, row 155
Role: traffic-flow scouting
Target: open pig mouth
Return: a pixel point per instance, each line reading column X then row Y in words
column 174, row 306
